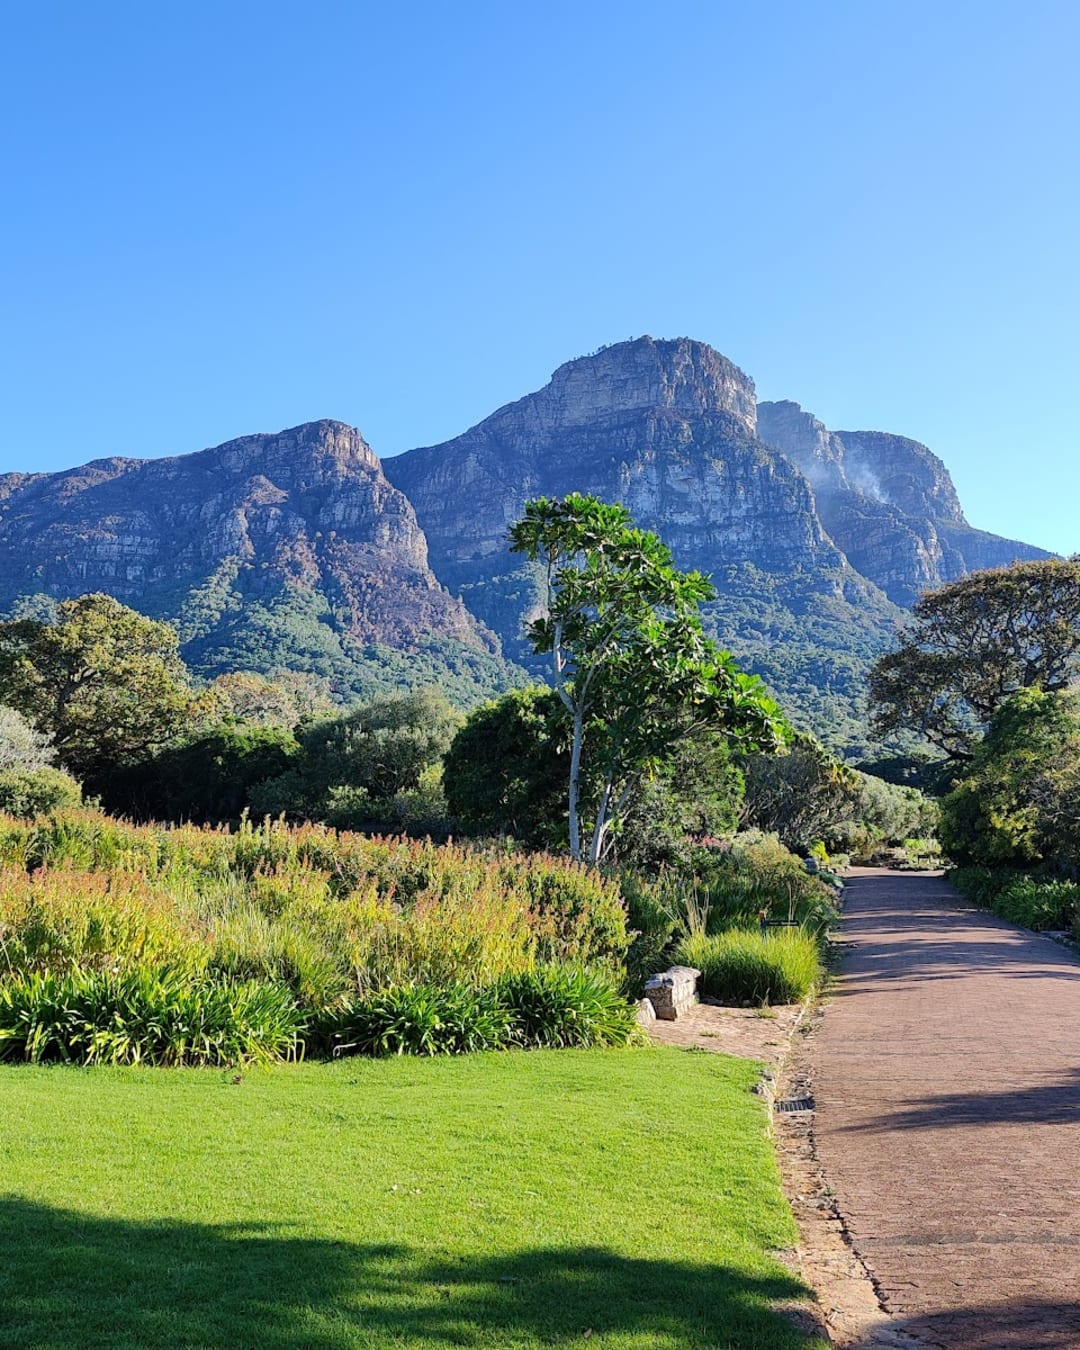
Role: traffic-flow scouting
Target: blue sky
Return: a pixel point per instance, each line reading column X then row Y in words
column 231, row 217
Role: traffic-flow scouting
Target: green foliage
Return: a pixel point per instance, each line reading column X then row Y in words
column 548, row 1007
column 506, row 769
column 36, row 792
column 106, row 684
column 652, row 917
column 721, row 889
column 452, row 1019
column 807, row 795
column 972, row 645
column 1017, row 805
column 293, row 629
column 559, row 1006
column 801, row 795
column 290, row 697
column 506, row 773
column 746, row 966
column 372, row 768
column 631, row 662
column 1030, row 901
column 325, row 913
column 145, row 1016
column 696, row 794
column 206, row 776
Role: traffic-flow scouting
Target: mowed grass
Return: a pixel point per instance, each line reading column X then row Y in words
column 572, row 1198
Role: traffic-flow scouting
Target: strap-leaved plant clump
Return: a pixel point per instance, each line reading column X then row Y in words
column 631, row 662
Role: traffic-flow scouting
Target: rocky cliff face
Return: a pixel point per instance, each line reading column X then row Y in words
column 887, row 502
column 301, row 529
column 667, row 428
column 301, row 550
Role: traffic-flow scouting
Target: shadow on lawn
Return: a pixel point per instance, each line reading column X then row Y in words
column 68, row 1280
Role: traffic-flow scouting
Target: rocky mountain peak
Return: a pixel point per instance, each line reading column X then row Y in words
column 680, row 374
column 325, row 448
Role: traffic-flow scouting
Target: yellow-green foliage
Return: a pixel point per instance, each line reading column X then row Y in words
column 327, row 913
column 745, row 966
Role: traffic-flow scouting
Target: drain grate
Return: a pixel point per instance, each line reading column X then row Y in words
column 791, row 1105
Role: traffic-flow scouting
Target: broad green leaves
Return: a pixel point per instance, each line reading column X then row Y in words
column 631, row 662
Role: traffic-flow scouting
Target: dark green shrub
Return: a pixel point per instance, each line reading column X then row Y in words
column 653, row 925
column 420, row 1020
column 1018, row 897
column 746, row 966
column 208, row 777
column 143, row 1016
column 560, row 1006
column 37, row 792
column 506, row 769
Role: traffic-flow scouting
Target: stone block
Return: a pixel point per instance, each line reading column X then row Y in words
column 673, row 991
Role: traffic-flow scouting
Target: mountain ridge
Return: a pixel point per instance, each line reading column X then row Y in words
column 301, row 548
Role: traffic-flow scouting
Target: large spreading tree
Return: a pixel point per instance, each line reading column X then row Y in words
column 104, row 683
column 972, row 645
column 630, row 661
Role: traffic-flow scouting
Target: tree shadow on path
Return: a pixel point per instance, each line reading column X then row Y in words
column 68, row 1280
column 1036, row 1324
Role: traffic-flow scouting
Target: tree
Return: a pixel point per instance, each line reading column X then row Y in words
column 283, row 701
column 630, row 661
column 505, row 771
column 206, row 777
column 105, row 683
column 973, row 644
column 23, row 749
column 1020, row 803
column 801, row 795
column 352, row 770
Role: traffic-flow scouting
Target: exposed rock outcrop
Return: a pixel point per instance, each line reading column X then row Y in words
column 888, row 502
column 305, row 517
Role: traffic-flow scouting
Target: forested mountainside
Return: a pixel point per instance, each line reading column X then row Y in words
column 301, row 551
column 269, row 552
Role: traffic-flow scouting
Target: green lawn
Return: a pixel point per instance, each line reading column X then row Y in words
column 574, row 1198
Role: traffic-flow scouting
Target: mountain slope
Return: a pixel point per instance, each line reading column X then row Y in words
column 301, row 551
column 267, row 552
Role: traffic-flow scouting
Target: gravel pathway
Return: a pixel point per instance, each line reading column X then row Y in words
column 947, row 1078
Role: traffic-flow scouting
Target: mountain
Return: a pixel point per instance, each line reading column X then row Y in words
column 815, row 540
column 267, row 552
column 301, row 550
column 888, row 502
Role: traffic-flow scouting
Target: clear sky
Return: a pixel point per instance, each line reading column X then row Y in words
column 229, row 217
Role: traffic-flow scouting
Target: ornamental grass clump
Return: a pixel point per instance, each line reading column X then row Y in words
column 560, row 1006
column 155, row 1017
column 420, row 1019
column 549, row 1007
column 746, row 966
column 1030, row 901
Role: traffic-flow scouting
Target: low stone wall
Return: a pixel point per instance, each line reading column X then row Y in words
column 672, row 991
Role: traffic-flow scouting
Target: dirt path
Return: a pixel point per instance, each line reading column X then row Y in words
column 947, row 1079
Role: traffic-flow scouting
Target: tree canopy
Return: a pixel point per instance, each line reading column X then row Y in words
column 630, row 661
column 1020, row 801
column 972, row 645
column 105, row 683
